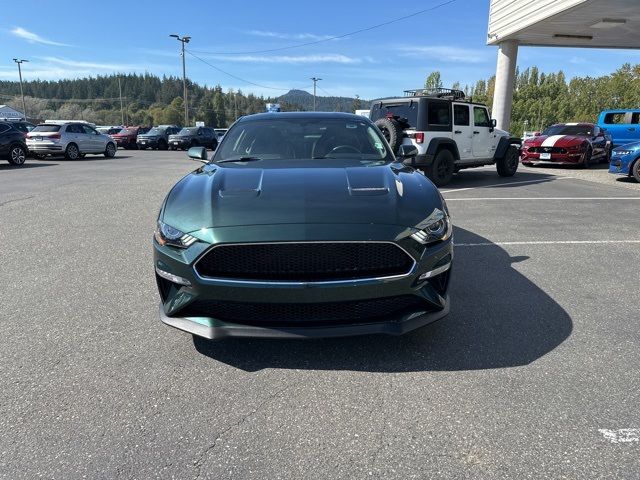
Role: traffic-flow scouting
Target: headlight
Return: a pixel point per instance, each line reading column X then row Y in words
column 167, row 235
column 435, row 228
column 622, row 153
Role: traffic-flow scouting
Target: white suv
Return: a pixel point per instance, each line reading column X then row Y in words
column 450, row 132
column 73, row 139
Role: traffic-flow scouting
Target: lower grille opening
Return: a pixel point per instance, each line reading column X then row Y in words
column 307, row 314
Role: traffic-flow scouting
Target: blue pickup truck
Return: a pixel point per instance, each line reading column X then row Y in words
column 622, row 125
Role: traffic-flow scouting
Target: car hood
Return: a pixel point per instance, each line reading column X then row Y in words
column 554, row 141
column 180, row 137
column 300, row 193
column 629, row 146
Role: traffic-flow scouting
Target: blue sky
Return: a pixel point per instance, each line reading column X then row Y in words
column 134, row 37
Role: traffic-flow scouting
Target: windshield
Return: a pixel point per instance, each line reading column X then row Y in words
column 124, row 131
column 188, row 131
column 301, row 138
column 46, row 128
column 583, row 130
column 154, row 131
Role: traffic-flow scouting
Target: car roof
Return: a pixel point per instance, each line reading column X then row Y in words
column 415, row 98
column 301, row 115
column 578, row 124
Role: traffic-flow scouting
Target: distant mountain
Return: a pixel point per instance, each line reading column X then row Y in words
column 324, row 104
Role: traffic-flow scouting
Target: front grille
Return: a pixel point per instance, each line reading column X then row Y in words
column 305, row 262
column 305, row 314
column 548, row 150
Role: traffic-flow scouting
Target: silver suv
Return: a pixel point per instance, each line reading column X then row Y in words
column 73, row 139
column 451, row 133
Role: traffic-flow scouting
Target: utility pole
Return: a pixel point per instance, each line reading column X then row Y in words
column 315, row 80
column 184, row 40
column 24, row 108
column 121, row 106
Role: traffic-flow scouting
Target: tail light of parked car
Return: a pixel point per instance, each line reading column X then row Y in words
column 419, row 137
column 55, row 136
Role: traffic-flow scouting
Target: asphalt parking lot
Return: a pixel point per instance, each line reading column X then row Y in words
column 534, row 374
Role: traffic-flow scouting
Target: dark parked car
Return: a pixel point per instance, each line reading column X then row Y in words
column 194, row 137
column 128, row 136
column 12, row 144
column 303, row 224
column 157, row 138
column 24, row 127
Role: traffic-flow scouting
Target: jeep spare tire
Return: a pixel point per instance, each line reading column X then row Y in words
column 391, row 130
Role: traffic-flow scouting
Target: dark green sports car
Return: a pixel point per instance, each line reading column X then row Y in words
column 303, row 225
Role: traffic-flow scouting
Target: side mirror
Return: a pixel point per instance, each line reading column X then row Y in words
column 198, row 153
column 494, row 122
column 407, row 151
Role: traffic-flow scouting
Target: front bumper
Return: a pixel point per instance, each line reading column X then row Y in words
column 556, row 159
column 430, row 294
column 147, row 142
column 181, row 143
column 215, row 329
column 620, row 165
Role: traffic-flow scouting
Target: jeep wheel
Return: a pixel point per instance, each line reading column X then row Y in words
column 508, row 165
column 441, row 170
column 391, row 130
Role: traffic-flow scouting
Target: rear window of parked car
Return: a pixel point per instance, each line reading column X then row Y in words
column 615, row 117
column 46, row 128
column 439, row 113
column 406, row 112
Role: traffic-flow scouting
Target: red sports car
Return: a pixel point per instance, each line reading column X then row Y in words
column 567, row 144
column 128, row 136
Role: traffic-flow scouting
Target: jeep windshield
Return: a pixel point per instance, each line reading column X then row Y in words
column 304, row 138
column 188, row 131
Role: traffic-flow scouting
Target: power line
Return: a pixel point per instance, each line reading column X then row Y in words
column 235, row 76
column 336, row 37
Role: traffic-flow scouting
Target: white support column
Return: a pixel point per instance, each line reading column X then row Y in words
column 505, row 76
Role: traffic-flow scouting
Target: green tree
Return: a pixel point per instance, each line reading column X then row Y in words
column 433, row 80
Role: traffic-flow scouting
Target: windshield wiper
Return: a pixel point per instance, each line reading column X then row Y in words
column 239, row 159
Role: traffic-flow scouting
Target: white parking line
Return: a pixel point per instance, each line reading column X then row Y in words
column 504, row 184
column 549, row 242
column 477, row 199
column 622, row 435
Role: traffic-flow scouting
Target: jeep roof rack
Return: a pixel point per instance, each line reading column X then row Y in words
column 448, row 93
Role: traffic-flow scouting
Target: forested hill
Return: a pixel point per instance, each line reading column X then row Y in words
column 327, row 104
column 150, row 99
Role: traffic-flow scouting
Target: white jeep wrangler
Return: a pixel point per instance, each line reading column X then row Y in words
column 450, row 132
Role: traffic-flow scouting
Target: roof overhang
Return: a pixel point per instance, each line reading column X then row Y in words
column 566, row 23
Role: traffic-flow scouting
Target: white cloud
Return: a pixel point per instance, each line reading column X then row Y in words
column 35, row 38
column 90, row 65
column 289, row 36
column 289, row 59
column 446, row 53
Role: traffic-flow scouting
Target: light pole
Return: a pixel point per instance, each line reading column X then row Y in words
column 24, row 108
column 315, row 80
column 184, row 40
